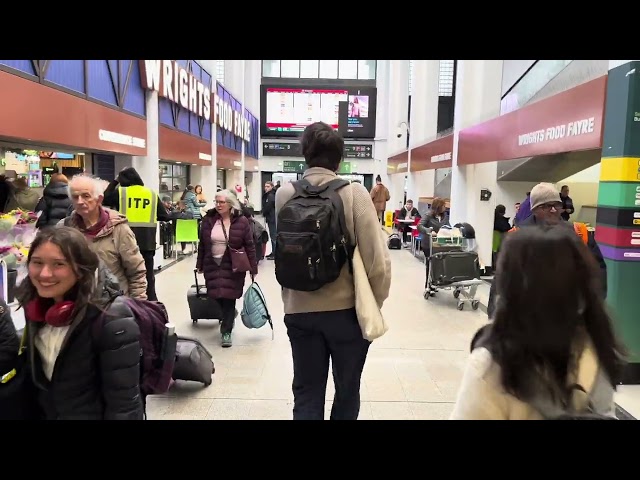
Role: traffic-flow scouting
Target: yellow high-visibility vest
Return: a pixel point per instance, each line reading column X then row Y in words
column 140, row 205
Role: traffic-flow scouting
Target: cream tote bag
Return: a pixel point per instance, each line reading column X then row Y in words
column 370, row 317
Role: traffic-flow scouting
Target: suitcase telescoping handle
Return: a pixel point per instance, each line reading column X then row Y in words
column 195, row 274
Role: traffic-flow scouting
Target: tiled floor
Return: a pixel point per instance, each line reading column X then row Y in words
column 412, row 372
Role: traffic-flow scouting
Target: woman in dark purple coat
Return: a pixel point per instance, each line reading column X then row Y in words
column 223, row 227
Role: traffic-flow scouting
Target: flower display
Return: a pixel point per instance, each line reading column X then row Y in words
column 17, row 232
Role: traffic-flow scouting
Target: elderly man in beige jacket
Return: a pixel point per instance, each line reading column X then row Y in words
column 322, row 324
column 108, row 234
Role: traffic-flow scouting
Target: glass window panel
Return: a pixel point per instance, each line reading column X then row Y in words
column 445, row 84
column 328, row 68
column 271, row 68
column 179, row 171
column 366, row 69
column 290, row 68
column 309, row 68
column 348, row 69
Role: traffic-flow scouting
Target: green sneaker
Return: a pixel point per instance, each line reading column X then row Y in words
column 226, row 340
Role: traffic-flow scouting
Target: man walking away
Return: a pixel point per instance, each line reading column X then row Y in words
column 269, row 214
column 380, row 196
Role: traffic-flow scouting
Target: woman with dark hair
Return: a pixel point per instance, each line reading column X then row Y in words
column 322, row 325
column 83, row 350
column 551, row 348
column 55, row 201
column 431, row 224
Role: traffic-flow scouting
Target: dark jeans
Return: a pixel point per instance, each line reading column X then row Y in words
column 315, row 338
column 271, row 225
column 491, row 304
column 148, row 256
column 228, row 306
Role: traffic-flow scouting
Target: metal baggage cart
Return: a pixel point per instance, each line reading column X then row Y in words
column 464, row 291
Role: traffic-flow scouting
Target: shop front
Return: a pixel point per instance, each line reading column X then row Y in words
column 61, row 115
column 190, row 106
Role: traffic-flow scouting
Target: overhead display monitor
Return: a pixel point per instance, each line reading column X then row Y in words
column 286, row 111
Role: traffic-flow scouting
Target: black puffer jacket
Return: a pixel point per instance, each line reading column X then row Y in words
column 9, row 340
column 54, row 204
column 97, row 373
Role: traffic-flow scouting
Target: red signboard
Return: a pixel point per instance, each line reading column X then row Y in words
column 435, row 154
column 567, row 122
column 398, row 163
column 46, row 116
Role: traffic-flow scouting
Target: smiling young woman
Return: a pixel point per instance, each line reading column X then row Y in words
column 81, row 369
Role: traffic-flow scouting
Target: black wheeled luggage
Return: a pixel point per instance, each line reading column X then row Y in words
column 193, row 362
column 201, row 306
column 166, row 238
column 451, row 267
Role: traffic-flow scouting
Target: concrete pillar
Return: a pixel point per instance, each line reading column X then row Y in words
column 397, row 92
column 424, row 121
column 148, row 166
column 478, row 92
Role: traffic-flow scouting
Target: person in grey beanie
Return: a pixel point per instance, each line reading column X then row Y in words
column 546, row 209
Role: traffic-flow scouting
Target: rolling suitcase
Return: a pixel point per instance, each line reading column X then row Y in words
column 201, row 306
column 451, row 267
column 193, row 362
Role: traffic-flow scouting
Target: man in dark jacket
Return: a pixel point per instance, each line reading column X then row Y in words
column 269, row 214
column 546, row 208
column 146, row 237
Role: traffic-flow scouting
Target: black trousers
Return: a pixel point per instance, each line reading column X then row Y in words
column 148, row 256
column 315, row 338
column 228, row 306
column 271, row 225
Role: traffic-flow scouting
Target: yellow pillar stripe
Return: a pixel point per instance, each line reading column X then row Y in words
column 620, row 169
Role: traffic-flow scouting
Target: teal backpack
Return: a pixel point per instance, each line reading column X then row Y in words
column 254, row 309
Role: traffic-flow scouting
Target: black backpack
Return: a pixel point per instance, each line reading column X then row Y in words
column 394, row 242
column 311, row 240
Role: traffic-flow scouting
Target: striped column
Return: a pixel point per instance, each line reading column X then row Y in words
column 618, row 217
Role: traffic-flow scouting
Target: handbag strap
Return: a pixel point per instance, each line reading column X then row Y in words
column 224, row 230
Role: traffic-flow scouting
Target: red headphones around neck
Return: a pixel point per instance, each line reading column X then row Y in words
column 56, row 315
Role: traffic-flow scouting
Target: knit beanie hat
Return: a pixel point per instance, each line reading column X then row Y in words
column 544, row 193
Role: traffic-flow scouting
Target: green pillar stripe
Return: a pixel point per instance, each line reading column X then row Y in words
column 622, row 299
column 622, row 112
column 619, row 194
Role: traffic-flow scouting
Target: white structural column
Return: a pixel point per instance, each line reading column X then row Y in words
column 478, row 92
column 252, row 79
column 424, row 121
column 207, row 175
column 148, row 166
column 234, row 83
column 398, row 112
column 382, row 120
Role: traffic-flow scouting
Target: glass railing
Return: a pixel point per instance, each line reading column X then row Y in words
column 539, row 75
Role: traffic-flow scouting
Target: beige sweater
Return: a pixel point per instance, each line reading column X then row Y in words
column 482, row 397
column 362, row 223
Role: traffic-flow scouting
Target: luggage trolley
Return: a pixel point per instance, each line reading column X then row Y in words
column 453, row 264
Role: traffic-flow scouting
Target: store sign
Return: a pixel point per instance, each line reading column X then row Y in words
column 570, row 129
column 177, row 85
column 443, row 157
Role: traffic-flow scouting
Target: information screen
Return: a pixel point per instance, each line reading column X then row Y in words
column 287, row 111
